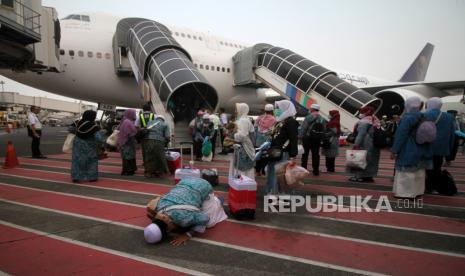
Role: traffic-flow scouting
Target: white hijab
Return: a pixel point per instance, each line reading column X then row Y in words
column 288, row 109
column 244, row 127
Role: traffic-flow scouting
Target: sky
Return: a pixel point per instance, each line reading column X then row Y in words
column 369, row 37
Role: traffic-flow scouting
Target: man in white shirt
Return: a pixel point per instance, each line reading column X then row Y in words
column 35, row 132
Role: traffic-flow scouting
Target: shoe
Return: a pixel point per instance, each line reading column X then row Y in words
column 39, row 157
column 316, row 173
column 75, row 181
column 368, row 179
column 93, row 180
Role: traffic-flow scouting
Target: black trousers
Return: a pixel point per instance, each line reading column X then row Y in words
column 213, row 141
column 129, row 165
column 432, row 175
column 36, row 144
column 312, row 146
column 453, row 151
column 260, row 166
column 198, row 149
column 330, row 164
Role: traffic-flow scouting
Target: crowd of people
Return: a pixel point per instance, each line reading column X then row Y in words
column 423, row 140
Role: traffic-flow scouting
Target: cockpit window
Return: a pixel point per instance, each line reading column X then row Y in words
column 79, row 17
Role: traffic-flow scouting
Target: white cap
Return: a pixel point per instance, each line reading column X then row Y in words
column 206, row 116
column 315, row 106
column 152, row 233
column 269, row 107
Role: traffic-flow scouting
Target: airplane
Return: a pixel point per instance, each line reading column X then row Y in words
column 88, row 58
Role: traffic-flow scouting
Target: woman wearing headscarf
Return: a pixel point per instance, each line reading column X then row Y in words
column 411, row 158
column 333, row 128
column 263, row 127
column 242, row 136
column 444, row 137
column 127, row 142
column 188, row 208
column 84, row 162
column 364, row 140
column 158, row 137
column 284, row 136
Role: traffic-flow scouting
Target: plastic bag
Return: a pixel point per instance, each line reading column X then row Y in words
column 207, row 148
column 356, row 159
column 68, row 145
column 295, row 174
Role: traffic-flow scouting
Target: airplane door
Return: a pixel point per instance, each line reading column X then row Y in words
column 212, row 43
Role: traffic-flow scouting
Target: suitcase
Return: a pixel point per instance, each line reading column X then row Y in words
column 186, row 172
column 174, row 161
column 211, row 175
column 242, row 194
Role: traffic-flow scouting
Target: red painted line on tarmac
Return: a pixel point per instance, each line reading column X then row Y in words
column 67, row 165
column 33, row 254
column 131, row 186
column 345, row 191
column 308, row 246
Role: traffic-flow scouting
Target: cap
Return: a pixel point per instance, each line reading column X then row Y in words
column 206, row 116
column 152, row 233
column 269, row 107
column 315, row 106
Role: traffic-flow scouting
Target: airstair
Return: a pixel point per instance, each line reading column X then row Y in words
column 302, row 81
column 164, row 72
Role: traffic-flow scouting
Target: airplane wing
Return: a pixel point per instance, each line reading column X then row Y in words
column 444, row 85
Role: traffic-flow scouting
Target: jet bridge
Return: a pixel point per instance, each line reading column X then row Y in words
column 164, row 71
column 302, row 81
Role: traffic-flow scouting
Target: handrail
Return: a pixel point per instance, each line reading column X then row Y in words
column 30, row 18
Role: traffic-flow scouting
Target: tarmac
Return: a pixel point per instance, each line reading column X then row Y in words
column 49, row 225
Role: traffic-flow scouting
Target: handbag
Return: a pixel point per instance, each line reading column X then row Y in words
column 68, row 145
column 356, row 159
column 112, row 140
column 272, row 154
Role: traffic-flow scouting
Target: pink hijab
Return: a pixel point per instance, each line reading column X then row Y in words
column 127, row 127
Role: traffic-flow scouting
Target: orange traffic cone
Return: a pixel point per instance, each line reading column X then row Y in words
column 11, row 160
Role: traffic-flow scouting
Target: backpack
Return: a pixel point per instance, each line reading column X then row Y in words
column 425, row 131
column 382, row 138
column 316, row 130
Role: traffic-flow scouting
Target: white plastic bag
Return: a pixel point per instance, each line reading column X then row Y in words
column 112, row 140
column 213, row 208
column 300, row 149
column 356, row 159
column 68, row 145
column 295, row 174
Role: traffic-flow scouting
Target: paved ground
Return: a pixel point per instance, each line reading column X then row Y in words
column 50, row 226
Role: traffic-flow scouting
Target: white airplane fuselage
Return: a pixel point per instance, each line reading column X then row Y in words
column 92, row 78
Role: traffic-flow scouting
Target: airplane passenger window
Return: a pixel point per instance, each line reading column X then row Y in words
column 213, row 68
column 99, row 55
column 62, row 52
column 176, row 34
column 222, row 69
column 200, row 38
column 183, row 35
column 90, row 54
column 217, row 68
column 85, row 18
column 221, row 42
column 80, row 53
column 235, row 45
column 195, row 65
column 228, row 70
column 107, row 55
column 71, row 53
column 188, row 36
column 207, row 67
column 194, row 37
column 201, row 66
